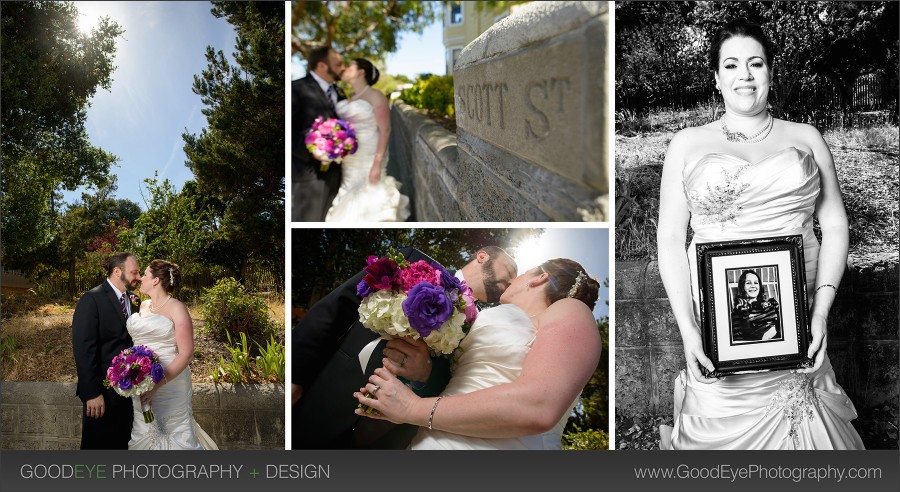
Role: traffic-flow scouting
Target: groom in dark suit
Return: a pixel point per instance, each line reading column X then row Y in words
column 98, row 335
column 313, row 96
column 326, row 366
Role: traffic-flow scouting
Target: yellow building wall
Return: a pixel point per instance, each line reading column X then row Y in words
column 457, row 36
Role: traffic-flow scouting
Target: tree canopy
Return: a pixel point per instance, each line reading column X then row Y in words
column 49, row 72
column 661, row 47
column 322, row 259
column 238, row 160
column 357, row 29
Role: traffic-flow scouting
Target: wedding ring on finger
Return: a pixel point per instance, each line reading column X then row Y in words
column 375, row 390
column 405, row 359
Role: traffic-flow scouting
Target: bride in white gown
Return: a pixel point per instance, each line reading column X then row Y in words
column 519, row 372
column 367, row 193
column 164, row 325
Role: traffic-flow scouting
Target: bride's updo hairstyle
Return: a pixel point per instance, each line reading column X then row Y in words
column 168, row 273
column 741, row 28
column 371, row 72
column 569, row 279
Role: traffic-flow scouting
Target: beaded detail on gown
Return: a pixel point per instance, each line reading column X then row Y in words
column 173, row 425
column 730, row 198
column 491, row 354
column 356, row 199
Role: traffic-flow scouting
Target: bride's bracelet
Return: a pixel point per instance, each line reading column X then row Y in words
column 431, row 417
column 824, row 285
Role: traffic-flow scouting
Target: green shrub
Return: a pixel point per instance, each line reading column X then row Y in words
column 229, row 310
column 586, row 439
column 433, row 94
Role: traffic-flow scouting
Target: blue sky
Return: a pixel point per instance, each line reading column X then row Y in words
column 150, row 103
column 416, row 54
column 588, row 246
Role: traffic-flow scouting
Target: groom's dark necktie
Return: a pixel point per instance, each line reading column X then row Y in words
column 123, row 302
column 332, row 96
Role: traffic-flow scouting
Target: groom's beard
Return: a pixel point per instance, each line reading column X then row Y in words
column 335, row 77
column 491, row 290
column 128, row 285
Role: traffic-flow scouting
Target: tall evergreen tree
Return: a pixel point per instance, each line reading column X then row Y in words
column 238, row 160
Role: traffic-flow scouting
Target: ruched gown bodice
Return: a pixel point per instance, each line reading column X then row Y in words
column 357, row 199
column 730, row 198
column 491, row 354
column 173, row 426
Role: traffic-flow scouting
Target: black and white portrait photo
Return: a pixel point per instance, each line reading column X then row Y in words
column 753, row 305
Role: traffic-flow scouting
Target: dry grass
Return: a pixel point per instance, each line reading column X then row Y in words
column 43, row 340
column 867, row 168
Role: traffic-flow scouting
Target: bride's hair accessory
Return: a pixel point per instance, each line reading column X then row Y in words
column 578, row 281
column 171, row 277
column 756, row 137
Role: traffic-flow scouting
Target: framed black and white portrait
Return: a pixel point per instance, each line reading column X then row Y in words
column 753, row 304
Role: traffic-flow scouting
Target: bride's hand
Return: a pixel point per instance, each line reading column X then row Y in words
column 147, row 397
column 393, row 400
column 819, row 344
column 693, row 354
column 375, row 174
column 408, row 358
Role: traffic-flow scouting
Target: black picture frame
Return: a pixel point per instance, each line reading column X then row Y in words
column 747, row 327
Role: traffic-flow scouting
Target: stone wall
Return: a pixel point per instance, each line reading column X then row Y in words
column 531, row 115
column 424, row 159
column 44, row 415
column 531, row 110
column 863, row 346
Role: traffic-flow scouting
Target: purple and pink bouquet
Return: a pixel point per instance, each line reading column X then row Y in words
column 330, row 141
column 418, row 300
column 133, row 372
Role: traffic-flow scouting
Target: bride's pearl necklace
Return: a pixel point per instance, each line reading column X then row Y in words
column 357, row 96
column 740, row 137
column 152, row 309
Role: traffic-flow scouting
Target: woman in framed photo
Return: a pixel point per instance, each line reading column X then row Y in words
column 749, row 175
column 754, row 316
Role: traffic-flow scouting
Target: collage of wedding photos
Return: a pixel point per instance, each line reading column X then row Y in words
column 312, row 235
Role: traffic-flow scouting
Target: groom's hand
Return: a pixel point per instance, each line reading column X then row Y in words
column 408, row 358
column 95, row 407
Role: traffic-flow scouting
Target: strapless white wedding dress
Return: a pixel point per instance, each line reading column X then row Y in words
column 356, row 199
column 173, row 425
column 492, row 354
column 731, row 198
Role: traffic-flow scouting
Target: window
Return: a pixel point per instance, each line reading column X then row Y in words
column 454, row 55
column 456, row 13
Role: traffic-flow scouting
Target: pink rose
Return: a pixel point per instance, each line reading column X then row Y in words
column 327, row 128
column 418, row 272
column 111, row 375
